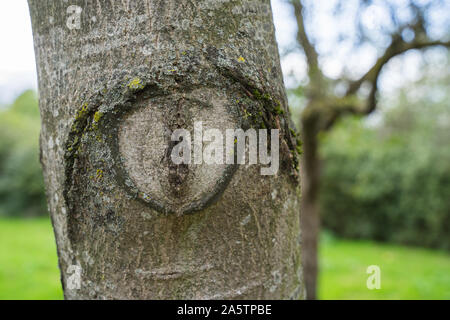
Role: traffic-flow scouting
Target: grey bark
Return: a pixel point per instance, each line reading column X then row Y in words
column 110, row 92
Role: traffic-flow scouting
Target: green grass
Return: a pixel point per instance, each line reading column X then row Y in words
column 29, row 270
column 406, row 273
column 28, row 263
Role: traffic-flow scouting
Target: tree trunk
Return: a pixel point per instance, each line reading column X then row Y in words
column 116, row 78
column 309, row 216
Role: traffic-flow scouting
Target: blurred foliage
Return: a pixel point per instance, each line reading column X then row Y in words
column 21, row 182
column 390, row 181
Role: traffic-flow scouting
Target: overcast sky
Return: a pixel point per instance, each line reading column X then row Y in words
column 18, row 71
column 17, row 65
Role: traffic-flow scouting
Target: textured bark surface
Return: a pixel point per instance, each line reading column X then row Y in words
column 110, row 92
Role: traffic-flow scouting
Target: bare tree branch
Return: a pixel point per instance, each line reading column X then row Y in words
column 327, row 109
column 397, row 47
column 350, row 103
column 302, row 38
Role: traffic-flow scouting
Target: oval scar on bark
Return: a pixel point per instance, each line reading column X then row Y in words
column 145, row 146
column 130, row 141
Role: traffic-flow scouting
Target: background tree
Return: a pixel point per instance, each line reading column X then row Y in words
column 115, row 79
column 389, row 181
column 390, row 29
